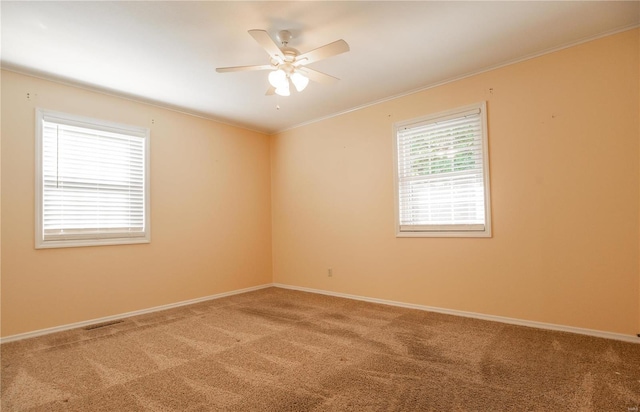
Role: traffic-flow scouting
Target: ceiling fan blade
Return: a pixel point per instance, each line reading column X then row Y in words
column 328, row 50
column 243, row 68
column 317, row 76
column 270, row 91
column 267, row 43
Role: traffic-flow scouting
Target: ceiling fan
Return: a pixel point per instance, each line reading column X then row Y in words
column 288, row 65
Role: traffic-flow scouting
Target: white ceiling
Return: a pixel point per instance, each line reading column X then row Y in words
column 166, row 52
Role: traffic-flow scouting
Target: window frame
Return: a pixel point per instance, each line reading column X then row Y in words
column 95, row 239
column 441, row 230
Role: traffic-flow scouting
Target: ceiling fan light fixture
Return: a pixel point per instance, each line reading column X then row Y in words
column 287, row 66
column 278, row 79
column 299, row 80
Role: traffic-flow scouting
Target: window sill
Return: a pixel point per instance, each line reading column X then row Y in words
column 51, row 244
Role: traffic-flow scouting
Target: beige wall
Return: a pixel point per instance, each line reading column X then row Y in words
column 210, row 215
column 564, row 134
column 564, row 157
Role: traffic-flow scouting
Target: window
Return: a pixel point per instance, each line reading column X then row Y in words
column 92, row 185
column 442, row 174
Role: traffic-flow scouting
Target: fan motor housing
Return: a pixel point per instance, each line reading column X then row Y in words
column 290, row 53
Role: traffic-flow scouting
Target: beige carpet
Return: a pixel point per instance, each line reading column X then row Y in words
column 282, row 350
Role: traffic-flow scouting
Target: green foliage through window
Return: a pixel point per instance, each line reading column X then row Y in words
column 438, row 153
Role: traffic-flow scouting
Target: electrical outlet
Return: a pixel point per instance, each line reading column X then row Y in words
column 330, row 272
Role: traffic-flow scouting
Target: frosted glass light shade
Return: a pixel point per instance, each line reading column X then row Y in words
column 278, row 79
column 284, row 89
column 299, row 81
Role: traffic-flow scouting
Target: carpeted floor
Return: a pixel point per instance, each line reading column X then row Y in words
column 283, row 350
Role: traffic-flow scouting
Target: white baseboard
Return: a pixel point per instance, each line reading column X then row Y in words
column 502, row 319
column 69, row 326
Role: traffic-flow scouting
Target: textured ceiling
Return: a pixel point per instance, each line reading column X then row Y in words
column 166, row 52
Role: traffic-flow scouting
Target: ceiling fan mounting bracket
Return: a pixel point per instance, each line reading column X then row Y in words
column 284, row 36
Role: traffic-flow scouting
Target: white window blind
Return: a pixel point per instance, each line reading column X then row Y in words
column 93, row 182
column 442, row 177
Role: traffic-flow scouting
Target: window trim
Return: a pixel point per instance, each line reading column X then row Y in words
column 438, row 230
column 96, row 124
